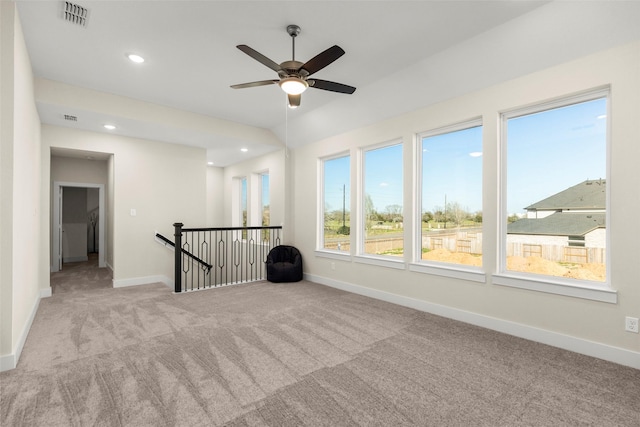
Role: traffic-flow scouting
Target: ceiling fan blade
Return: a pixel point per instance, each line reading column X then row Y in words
column 255, row 84
column 294, row 100
column 259, row 57
column 323, row 59
column 331, row 86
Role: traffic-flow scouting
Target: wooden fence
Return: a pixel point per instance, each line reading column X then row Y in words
column 471, row 242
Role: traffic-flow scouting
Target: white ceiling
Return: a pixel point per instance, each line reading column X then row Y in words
column 191, row 60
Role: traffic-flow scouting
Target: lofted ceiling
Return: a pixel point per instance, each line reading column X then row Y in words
column 191, row 60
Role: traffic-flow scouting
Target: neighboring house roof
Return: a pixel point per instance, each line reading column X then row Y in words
column 559, row 224
column 589, row 194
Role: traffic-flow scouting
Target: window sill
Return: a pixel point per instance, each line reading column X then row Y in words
column 389, row 262
column 551, row 286
column 450, row 270
column 342, row 256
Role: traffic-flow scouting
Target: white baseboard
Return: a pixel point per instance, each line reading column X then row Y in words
column 577, row 345
column 76, row 259
column 135, row 281
column 10, row 361
column 7, row 362
column 45, row 293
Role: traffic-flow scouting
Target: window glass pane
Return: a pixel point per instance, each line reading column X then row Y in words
column 243, row 201
column 265, row 200
column 337, row 215
column 383, row 214
column 556, row 192
column 451, row 223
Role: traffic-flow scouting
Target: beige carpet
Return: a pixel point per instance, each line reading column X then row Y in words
column 289, row 354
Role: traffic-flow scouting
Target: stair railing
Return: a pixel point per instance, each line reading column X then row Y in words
column 214, row 257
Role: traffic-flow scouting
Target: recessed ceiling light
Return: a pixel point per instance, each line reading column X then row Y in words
column 135, row 58
column 109, row 127
column 244, row 150
column 210, row 163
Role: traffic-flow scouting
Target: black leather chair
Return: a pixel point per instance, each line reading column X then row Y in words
column 284, row 264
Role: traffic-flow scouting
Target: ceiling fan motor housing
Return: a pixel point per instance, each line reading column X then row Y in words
column 292, row 69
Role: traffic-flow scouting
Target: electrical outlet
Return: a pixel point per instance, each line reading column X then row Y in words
column 631, row 324
column 333, row 265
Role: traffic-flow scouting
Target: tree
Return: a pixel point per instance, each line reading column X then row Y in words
column 394, row 213
column 456, row 213
column 369, row 211
column 438, row 214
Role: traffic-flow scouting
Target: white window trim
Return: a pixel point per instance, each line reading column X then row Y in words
column 537, row 282
column 456, row 271
column 388, row 261
column 320, row 249
column 327, row 253
column 446, row 269
column 361, row 256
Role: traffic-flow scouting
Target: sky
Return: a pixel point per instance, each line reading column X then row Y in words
column 553, row 150
column 546, row 153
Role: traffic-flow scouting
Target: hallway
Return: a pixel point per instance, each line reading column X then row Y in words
column 81, row 276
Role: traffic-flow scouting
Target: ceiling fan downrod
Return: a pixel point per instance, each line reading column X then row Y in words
column 293, row 31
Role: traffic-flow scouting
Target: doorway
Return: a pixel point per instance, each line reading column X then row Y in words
column 73, row 237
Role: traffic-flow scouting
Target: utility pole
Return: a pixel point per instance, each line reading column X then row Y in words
column 344, row 192
column 445, row 211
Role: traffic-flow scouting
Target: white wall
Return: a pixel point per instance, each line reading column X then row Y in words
column 21, row 273
column 164, row 183
column 74, row 224
column 215, row 196
column 110, row 210
column 562, row 316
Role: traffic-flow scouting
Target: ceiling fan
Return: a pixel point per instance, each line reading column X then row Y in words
column 294, row 75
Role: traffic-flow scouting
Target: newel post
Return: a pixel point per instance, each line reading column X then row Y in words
column 178, row 257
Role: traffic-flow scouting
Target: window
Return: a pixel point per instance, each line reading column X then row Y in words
column 238, row 201
column 554, row 196
column 336, row 215
column 243, row 201
column 383, row 221
column 450, row 220
column 264, row 200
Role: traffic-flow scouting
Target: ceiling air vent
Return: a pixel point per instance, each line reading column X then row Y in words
column 75, row 14
column 70, row 118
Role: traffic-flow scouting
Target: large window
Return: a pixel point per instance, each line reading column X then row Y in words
column 336, row 215
column 383, row 221
column 451, row 195
column 554, row 196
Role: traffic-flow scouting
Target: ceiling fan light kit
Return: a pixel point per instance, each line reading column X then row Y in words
column 293, row 85
column 293, row 75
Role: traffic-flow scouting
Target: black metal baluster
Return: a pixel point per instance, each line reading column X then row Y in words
column 177, row 272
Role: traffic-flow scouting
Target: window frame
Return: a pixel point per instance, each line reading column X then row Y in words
column 360, row 255
column 417, row 264
column 539, row 282
column 320, row 248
